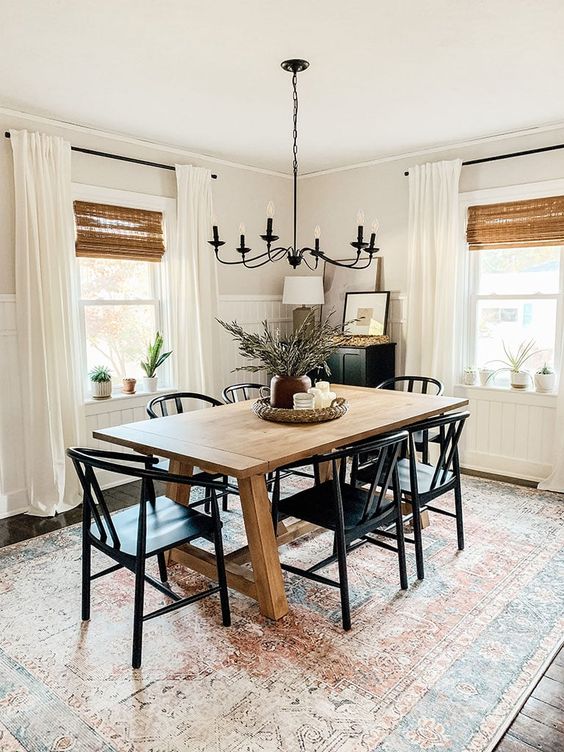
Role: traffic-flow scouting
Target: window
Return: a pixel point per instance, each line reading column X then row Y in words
column 516, row 274
column 516, row 297
column 121, row 291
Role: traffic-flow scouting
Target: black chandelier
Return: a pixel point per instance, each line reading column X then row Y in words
column 364, row 250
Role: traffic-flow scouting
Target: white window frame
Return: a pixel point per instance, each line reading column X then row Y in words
column 160, row 300
column 472, row 267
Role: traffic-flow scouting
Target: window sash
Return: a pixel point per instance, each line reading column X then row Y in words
column 475, row 297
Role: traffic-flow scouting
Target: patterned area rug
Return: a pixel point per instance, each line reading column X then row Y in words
column 438, row 667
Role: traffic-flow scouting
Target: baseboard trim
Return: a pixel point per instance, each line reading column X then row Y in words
column 13, row 503
column 479, row 473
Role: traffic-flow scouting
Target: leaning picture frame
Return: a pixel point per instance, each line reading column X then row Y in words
column 338, row 280
column 366, row 312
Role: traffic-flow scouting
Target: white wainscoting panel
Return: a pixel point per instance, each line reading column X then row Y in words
column 249, row 311
column 509, row 432
column 13, row 496
column 397, row 328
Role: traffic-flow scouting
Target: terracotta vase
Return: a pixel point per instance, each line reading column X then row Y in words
column 129, row 386
column 283, row 388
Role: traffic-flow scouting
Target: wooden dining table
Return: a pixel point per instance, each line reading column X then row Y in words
column 233, row 441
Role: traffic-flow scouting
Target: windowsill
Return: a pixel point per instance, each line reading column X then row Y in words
column 119, row 396
column 503, row 391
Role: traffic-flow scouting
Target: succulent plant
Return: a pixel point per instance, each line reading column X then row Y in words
column 154, row 356
column 100, row 374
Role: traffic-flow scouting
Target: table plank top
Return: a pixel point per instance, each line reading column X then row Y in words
column 232, row 439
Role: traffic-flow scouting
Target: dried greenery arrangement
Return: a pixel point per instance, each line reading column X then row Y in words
column 292, row 355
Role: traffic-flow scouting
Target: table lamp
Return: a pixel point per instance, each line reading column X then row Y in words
column 304, row 292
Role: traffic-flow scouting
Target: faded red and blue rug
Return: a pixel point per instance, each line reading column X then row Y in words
column 438, row 667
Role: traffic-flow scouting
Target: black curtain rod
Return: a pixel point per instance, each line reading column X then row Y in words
column 95, row 153
column 509, row 156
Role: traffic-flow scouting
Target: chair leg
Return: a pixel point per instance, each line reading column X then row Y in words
column 86, row 572
column 414, row 500
column 163, row 574
column 221, row 574
column 459, row 517
column 225, row 500
column 275, row 500
column 401, row 552
column 138, row 612
column 207, row 507
column 343, row 577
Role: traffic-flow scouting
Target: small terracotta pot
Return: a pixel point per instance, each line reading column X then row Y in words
column 129, row 386
column 283, row 388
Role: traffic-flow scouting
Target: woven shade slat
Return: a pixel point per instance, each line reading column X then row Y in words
column 516, row 224
column 118, row 232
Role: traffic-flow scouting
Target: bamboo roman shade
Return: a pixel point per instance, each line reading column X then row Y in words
column 517, row 224
column 118, row 232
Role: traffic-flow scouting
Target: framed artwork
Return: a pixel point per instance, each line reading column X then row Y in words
column 337, row 281
column 371, row 311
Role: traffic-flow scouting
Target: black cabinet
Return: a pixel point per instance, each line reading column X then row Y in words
column 360, row 366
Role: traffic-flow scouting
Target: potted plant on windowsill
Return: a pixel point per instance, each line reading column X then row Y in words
column 288, row 358
column 101, row 382
column 155, row 358
column 515, row 360
column 545, row 379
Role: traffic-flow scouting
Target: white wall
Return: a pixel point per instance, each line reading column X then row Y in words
column 239, row 194
column 331, row 200
column 507, row 433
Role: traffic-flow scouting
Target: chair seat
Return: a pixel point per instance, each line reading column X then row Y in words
column 168, row 524
column 316, row 505
column 424, row 476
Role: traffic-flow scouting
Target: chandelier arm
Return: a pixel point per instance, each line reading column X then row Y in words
column 354, row 265
column 268, row 255
column 272, row 258
column 306, row 262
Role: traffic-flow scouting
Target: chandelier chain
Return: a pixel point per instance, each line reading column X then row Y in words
column 295, row 122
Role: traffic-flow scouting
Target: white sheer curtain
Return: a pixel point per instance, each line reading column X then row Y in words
column 555, row 481
column 192, row 278
column 435, row 271
column 47, row 319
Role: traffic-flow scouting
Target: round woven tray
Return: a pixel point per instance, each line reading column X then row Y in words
column 263, row 409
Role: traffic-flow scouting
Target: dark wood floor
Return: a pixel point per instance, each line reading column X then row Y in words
column 538, row 726
column 540, row 723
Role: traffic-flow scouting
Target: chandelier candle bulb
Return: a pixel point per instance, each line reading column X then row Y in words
column 215, row 233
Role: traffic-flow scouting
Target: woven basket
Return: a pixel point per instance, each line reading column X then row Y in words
column 263, row 409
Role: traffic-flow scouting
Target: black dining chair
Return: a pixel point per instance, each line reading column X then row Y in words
column 422, row 483
column 180, row 402
column 353, row 514
column 241, row 392
column 420, row 385
column 145, row 530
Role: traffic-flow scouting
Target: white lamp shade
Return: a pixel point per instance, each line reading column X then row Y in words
column 303, row 291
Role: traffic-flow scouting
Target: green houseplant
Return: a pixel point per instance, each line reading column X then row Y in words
column 288, row 358
column 154, row 358
column 514, row 363
column 101, row 382
column 545, row 379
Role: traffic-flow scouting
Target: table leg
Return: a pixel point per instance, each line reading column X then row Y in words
column 262, row 547
column 178, row 491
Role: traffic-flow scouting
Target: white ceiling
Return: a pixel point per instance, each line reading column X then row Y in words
column 386, row 77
